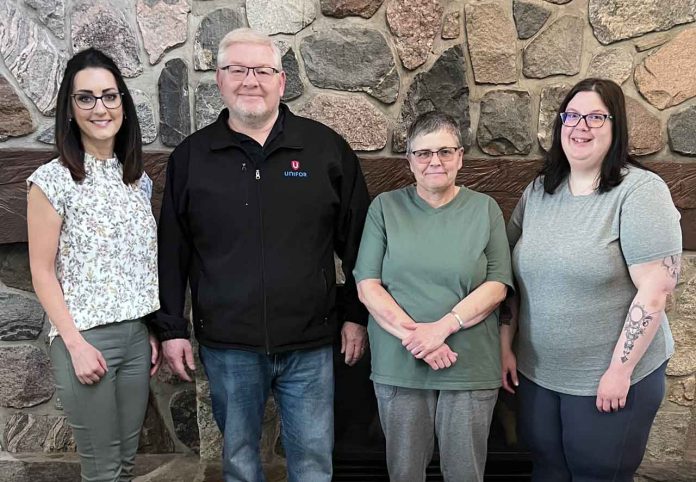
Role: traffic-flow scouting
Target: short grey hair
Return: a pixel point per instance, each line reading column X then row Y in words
column 248, row 36
column 430, row 122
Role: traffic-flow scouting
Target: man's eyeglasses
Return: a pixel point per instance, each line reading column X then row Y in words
column 445, row 154
column 593, row 121
column 112, row 100
column 239, row 72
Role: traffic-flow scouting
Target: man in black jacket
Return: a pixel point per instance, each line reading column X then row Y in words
column 255, row 205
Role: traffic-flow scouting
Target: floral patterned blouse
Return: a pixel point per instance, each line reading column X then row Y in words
column 107, row 252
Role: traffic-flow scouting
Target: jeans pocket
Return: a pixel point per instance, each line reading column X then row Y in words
column 384, row 392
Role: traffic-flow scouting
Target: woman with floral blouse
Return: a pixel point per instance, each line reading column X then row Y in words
column 93, row 256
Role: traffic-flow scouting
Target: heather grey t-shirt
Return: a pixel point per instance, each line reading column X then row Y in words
column 570, row 258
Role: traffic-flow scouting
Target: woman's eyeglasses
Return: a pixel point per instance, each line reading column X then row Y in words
column 111, row 100
column 593, row 121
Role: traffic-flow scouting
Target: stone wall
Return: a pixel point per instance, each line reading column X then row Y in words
column 367, row 68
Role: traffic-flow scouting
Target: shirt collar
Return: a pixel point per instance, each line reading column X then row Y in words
column 281, row 135
column 91, row 161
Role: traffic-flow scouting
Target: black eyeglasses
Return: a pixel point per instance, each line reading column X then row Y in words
column 593, row 121
column 445, row 154
column 239, row 72
column 111, row 100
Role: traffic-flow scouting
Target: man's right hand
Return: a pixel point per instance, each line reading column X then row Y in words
column 179, row 356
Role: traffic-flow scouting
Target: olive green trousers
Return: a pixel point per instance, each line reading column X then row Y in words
column 106, row 417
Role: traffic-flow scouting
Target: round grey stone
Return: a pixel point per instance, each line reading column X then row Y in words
column 621, row 19
column 353, row 59
column 680, row 128
column 530, row 16
column 27, row 432
column 293, row 84
column 175, row 112
column 21, row 317
column 15, row 118
column 26, row 377
column 443, row 88
column 613, row 64
column 345, row 8
column 183, row 408
column 280, row 16
column 504, row 123
column 154, row 436
column 48, row 135
column 557, row 50
column 51, row 13
column 207, row 102
column 551, row 98
column 212, row 28
column 31, row 56
column 146, row 115
column 112, row 34
column 14, row 266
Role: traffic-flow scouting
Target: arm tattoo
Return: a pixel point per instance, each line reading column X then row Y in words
column 673, row 265
column 637, row 321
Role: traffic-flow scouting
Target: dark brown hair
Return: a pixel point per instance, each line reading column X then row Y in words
column 556, row 167
column 128, row 145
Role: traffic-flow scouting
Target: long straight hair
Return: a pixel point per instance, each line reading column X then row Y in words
column 69, row 147
column 556, row 168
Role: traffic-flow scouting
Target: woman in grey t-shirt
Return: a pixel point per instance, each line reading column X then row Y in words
column 596, row 251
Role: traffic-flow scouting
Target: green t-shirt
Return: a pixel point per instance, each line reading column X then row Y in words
column 429, row 259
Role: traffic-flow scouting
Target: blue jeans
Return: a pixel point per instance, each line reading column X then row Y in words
column 302, row 382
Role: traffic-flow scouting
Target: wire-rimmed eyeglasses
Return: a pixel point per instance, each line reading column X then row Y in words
column 445, row 154
column 239, row 72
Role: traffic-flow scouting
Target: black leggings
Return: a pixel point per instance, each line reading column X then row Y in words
column 571, row 440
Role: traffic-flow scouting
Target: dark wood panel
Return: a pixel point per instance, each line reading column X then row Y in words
column 503, row 179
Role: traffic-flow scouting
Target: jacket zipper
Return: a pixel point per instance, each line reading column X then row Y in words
column 263, row 265
column 326, row 295
column 246, row 185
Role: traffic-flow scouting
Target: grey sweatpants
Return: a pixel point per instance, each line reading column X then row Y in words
column 106, row 417
column 410, row 418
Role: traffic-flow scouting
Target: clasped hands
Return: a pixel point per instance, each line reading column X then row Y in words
column 426, row 342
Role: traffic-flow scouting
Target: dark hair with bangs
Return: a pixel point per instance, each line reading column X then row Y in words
column 128, row 145
column 556, row 167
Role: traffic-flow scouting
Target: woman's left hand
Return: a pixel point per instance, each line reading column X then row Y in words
column 156, row 358
column 613, row 389
column 425, row 338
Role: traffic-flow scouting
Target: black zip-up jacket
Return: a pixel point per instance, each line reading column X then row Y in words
column 254, row 236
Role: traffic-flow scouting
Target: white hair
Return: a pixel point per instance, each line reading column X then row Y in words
column 248, row 36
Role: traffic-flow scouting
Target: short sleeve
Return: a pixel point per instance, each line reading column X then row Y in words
column 373, row 244
column 649, row 224
column 146, row 185
column 514, row 225
column 497, row 250
column 50, row 178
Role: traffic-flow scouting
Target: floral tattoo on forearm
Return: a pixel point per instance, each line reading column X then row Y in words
column 673, row 265
column 637, row 321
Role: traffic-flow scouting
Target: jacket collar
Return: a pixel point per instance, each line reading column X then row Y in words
column 289, row 136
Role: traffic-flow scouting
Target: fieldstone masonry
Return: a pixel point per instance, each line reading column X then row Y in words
column 366, row 68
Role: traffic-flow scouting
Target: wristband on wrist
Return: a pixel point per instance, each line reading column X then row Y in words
column 458, row 318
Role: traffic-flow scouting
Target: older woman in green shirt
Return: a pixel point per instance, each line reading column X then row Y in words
column 433, row 266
